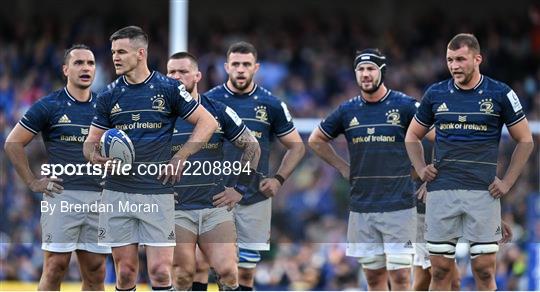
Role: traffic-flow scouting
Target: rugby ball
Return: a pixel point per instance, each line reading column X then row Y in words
column 116, row 144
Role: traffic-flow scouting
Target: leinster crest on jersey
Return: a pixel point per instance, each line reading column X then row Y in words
column 260, row 113
column 392, row 116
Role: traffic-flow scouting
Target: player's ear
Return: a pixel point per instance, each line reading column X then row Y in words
column 478, row 59
column 65, row 69
column 141, row 53
column 198, row 76
column 257, row 65
column 226, row 67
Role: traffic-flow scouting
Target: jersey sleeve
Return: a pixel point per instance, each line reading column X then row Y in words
column 36, row 118
column 183, row 104
column 332, row 126
column 282, row 123
column 411, row 108
column 231, row 124
column 511, row 109
column 424, row 115
column 102, row 118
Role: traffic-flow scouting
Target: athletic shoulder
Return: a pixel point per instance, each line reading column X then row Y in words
column 400, row 96
column 212, row 105
column 496, row 86
column 266, row 97
column 441, row 86
column 352, row 102
column 52, row 100
column 110, row 87
column 164, row 80
column 216, row 92
column 403, row 99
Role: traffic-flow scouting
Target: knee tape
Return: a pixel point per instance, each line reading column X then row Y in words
column 446, row 248
column 480, row 248
column 248, row 259
column 398, row 261
column 373, row 262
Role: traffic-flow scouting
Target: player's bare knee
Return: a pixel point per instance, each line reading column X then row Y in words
column 245, row 275
column 227, row 272
column 401, row 277
column 95, row 274
column 373, row 281
column 484, row 274
column 440, row 273
column 183, row 279
column 56, row 266
column 160, row 273
column 374, row 278
column 484, row 271
column 126, row 274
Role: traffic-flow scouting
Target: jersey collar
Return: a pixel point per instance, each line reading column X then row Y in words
column 144, row 82
column 232, row 93
column 379, row 101
column 472, row 89
column 74, row 99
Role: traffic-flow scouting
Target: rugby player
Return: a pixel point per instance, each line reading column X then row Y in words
column 267, row 117
column 63, row 118
column 382, row 219
column 203, row 211
column 145, row 104
column 463, row 201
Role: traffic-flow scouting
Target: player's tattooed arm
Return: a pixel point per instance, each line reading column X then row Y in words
column 252, row 150
column 252, row 153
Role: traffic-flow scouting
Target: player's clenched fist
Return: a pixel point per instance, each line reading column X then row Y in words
column 269, row 187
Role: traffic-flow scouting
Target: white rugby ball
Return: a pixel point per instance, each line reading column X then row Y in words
column 116, row 144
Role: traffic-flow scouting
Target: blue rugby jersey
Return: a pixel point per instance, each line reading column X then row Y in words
column 266, row 116
column 196, row 188
column 468, row 129
column 64, row 123
column 147, row 112
column 375, row 132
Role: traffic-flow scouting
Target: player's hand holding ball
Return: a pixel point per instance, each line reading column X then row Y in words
column 96, row 158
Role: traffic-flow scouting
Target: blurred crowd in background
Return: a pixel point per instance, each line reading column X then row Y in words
column 307, row 61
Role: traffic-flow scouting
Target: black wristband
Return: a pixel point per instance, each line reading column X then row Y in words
column 279, row 178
